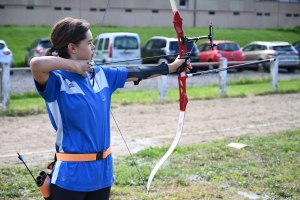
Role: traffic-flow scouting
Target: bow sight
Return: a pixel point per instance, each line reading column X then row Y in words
column 195, row 39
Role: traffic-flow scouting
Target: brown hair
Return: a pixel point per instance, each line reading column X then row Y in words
column 65, row 31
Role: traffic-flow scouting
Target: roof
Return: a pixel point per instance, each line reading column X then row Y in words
column 270, row 43
column 42, row 39
column 117, row 33
column 219, row 41
column 165, row 38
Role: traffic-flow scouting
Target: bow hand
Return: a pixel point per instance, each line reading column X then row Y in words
column 183, row 65
column 180, row 64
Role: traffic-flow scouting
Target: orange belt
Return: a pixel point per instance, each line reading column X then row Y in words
column 83, row 157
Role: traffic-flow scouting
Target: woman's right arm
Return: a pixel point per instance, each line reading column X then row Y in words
column 41, row 66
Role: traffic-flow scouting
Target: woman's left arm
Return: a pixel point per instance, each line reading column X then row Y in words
column 136, row 74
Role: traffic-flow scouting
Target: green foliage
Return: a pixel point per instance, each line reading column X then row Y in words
column 295, row 29
column 21, row 105
column 17, row 42
column 19, row 37
column 17, row 183
column 25, row 95
column 247, row 80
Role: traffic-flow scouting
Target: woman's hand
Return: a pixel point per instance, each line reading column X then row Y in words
column 83, row 66
column 41, row 66
column 177, row 63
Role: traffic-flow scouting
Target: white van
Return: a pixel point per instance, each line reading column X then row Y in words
column 116, row 47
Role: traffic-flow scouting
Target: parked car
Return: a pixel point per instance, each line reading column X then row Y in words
column 227, row 49
column 160, row 49
column 285, row 53
column 116, row 47
column 37, row 48
column 6, row 54
column 296, row 45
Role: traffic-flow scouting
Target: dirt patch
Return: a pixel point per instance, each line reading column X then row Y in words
column 155, row 125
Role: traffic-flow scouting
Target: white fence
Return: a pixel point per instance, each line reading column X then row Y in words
column 5, row 85
column 223, row 64
column 162, row 80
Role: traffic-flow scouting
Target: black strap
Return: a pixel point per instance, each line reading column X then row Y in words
column 99, row 156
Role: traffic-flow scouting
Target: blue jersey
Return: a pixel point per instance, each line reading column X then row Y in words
column 80, row 114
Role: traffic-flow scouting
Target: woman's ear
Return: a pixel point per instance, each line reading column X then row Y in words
column 71, row 48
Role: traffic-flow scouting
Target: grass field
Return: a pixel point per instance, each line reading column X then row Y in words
column 19, row 37
column 267, row 169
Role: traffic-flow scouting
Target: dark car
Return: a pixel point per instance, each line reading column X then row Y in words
column 37, row 48
column 297, row 47
column 160, row 49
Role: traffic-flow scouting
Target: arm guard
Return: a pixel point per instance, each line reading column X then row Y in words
column 147, row 71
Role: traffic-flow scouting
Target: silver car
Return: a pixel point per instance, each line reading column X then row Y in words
column 6, row 54
column 286, row 54
column 37, row 48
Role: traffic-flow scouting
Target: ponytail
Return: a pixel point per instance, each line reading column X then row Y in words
column 48, row 52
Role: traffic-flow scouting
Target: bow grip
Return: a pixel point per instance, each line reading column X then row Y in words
column 184, row 65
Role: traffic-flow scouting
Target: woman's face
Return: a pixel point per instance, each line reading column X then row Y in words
column 85, row 48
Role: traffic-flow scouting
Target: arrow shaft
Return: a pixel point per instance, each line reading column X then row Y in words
column 231, row 67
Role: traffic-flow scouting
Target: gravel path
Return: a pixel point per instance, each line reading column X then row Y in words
column 155, row 125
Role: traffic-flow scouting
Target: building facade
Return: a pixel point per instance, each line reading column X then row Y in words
column 257, row 14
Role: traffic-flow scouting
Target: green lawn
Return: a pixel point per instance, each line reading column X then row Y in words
column 19, row 37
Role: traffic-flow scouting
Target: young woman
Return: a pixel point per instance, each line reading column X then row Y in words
column 78, row 97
